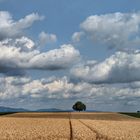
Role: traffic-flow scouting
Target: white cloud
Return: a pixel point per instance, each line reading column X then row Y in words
column 24, row 43
column 60, row 58
column 45, row 38
column 20, row 52
column 118, row 68
column 114, row 29
column 58, row 88
column 10, row 28
column 62, row 88
column 13, row 57
column 11, row 87
column 76, row 37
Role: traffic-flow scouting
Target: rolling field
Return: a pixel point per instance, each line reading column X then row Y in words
column 69, row 126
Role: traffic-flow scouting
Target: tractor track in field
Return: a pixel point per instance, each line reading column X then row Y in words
column 70, row 124
column 98, row 135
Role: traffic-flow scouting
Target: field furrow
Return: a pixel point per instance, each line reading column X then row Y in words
column 115, row 130
column 81, row 132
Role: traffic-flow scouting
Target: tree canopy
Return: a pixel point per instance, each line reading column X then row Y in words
column 79, row 106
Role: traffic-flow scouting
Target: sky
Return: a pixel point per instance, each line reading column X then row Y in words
column 54, row 53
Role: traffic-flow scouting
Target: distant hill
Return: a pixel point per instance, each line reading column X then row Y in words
column 49, row 110
column 92, row 111
column 60, row 110
column 9, row 109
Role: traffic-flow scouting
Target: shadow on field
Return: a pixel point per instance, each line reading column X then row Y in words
column 72, row 115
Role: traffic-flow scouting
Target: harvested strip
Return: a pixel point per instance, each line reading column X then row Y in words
column 101, row 116
column 57, row 115
column 81, row 132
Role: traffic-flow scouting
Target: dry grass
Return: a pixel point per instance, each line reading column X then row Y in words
column 56, row 126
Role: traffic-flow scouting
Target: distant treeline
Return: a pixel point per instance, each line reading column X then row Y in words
column 6, row 113
column 137, row 115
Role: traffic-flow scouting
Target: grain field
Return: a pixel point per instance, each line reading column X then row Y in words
column 34, row 129
column 69, row 126
column 114, row 130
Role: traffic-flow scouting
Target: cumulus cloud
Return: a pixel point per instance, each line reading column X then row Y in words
column 58, row 88
column 10, row 28
column 19, row 52
column 60, row 58
column 24, row 43
column 76, row 37
column 11, row 87
column 119, row 68
column 15, row 87
column 14, row 58
column 114, row 29
column 45, row 38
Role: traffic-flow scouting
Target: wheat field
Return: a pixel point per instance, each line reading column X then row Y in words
column 69, row 126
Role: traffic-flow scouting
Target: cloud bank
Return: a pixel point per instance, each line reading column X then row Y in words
column 61, row 88
column 122, row 67
column 13, row 57
column 19, row 52
column 113, row 29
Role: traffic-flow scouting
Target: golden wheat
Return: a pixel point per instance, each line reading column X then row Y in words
column 114, row 130
column 33, row 129
column 69, row 126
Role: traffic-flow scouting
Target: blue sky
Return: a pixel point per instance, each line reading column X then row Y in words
column 54, row 53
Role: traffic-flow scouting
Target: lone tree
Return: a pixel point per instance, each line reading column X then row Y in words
column 79, row 106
